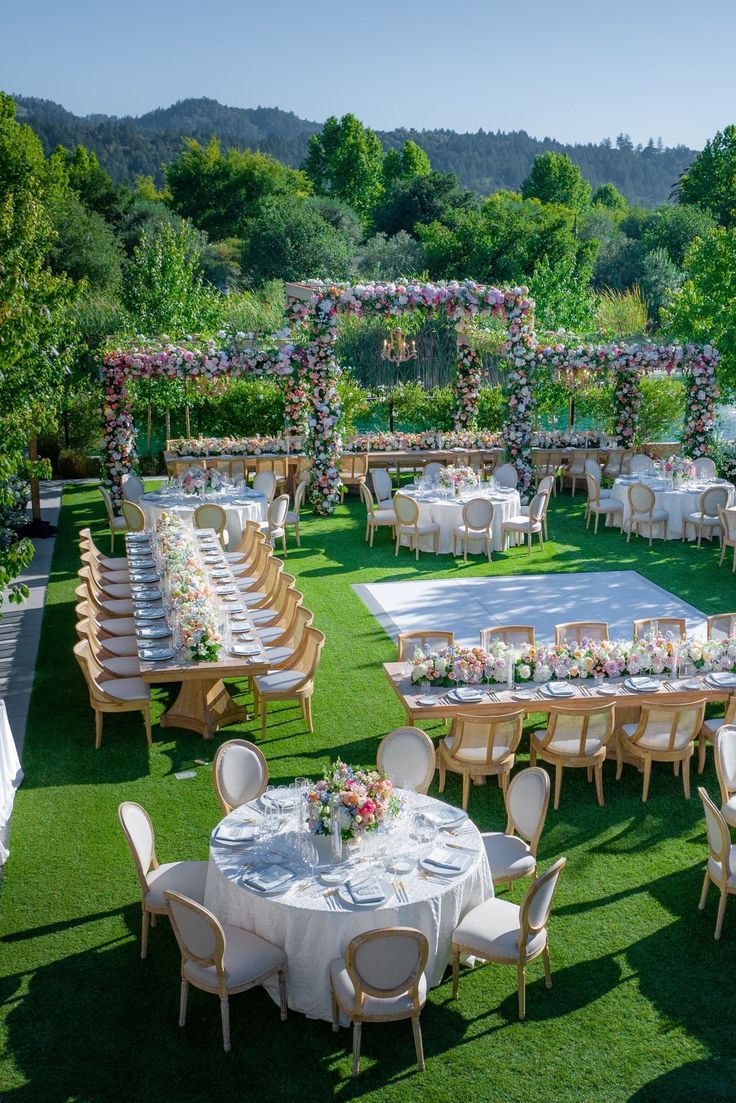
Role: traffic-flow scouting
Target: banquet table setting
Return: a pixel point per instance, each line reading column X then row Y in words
column 677, row 500
column 441, row 507
column 268, row 874
column 240, row 503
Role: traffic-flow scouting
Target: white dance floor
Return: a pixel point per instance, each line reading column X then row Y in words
column 464, row 606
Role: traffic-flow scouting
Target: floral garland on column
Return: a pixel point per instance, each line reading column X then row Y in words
column 702, row 391
column 163, row 360
column 468, row 378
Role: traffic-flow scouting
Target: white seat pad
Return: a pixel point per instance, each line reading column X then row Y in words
column 280, row 681
column 469, row 754
column 656, row 515
column 119, row 607
column 122, row 666
column 477, row 534
column 728, row 811
column 567, row 744
column 119, row 626
column 252, row 597
column 374, row 1007
column 702, row 518
column 247, row 957
column 492, row 930
column 275, row 655
column 423, row 529
column 610, row 505
column 521, row 523
column 126, row 689
column 120, row 645
column 268, row 635
column 653, row 741
column 383, row 517
column 116, row 589
column 263, row 616
column 508, row 855
column 188, row 878
column 714, row 868
column 116, row 577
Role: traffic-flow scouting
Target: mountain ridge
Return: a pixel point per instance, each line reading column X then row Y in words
column 485, row 160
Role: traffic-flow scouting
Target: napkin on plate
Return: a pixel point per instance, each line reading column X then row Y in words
column 642, row 683
column 269, row 878
column 444, row 859
column 721, row 678
column 236, row 832
column 559, row 689
column 366, row 892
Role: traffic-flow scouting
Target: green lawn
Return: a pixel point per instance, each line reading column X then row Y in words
column 641, row 1006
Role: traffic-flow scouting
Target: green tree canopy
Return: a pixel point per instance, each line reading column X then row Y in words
column 423, row 198
column 289, row 240
column 404, row 163
column 218, row 191
column 710, row 182
column 555, row 178
column 162, row 288
column 674, row 229
column 704, row 308
column 346, row 160
column 608, row 195
column 84, row 245
column 92, row 184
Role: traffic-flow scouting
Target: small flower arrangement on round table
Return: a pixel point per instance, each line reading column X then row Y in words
column 200, row 481
column 457, row 478
column 348, row 802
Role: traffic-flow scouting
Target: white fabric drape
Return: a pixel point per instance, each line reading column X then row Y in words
column 448, row 514
column 677, row 501
column 11, row 776
column 239, row 508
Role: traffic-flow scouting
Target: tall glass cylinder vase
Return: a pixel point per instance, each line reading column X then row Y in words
column 335, row 828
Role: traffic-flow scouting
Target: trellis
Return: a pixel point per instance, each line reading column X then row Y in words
column 627, row 364
column 304, row 356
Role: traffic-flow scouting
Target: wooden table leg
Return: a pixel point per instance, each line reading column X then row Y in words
column 203, row 705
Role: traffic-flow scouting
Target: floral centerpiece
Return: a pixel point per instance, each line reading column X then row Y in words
column 200, row 480
column 679, row 467
column 193, row 602
column 367, row 800
column 457, row 478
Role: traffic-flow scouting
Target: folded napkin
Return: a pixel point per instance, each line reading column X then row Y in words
column 269, row 878
column 444, row 859
column 642, row 683
column 366, row 892
column 445, row 815
column 559, row 689
column 721, row 678
column 236, row 832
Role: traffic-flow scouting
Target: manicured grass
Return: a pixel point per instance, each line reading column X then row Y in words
column 641, row 1006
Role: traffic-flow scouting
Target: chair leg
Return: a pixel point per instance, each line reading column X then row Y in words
column 686, row 776
column 558, row 785
column 357, row 1025
column 532, row 752
column 704, row 893
column 335, row 1010
column 98, row 729
column 147, row 722
column 145, row 923
column 522, row 991
column 183, row 1002
column 455, row 971
column 418, row 1042
column 719, row 918
column 263, row 717
column 282, row 993
column 598, row 771
column 225, row 1016
column 619, row 758
column 647, row 776
column 466, row 790
column 547, row 970
column 443, row 775
column 702, row 747
column 308, row 713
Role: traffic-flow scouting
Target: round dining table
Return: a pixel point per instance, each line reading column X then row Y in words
column 241, row 504
column 446, row 511
column 677, row 501
column 313, row 922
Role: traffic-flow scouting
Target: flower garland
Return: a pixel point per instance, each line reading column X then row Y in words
column 200, row 480
column 431, row 440
column 456, row 478
column 192, row 600
column 468, row 379
column 629, row 363
column 366, row 800
column 234, row 446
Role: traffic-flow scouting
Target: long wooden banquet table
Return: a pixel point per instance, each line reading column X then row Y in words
column 532, row 700
column 204, row 703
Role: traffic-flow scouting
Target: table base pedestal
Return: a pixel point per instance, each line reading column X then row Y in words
column 203, row 705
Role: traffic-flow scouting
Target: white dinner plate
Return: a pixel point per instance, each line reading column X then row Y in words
column 608, row 691
column 144, row 576
column 641, row 685
column 155, row 654
column 467, row 694
column 245, row 649
column 562, row 689
column 284, row 796
column 688, row 683
column 336, row 876
column 446, row 817
column 427, row 702
column 402, row 865
column 464, row 861
column 153, row 631
column 145, row 593
column 721, row 679
column 149, row 614
column 275, row 891
column 386, row 888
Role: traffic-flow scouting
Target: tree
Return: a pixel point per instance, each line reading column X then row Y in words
column 289, row 240
column 389, row 258
column 703, row 310
column 710, row 182
column 608, row 195
column 403, row 164
column 555, row 178
column 562, row 295
column 674, row 229
column 36, row 334
column 424, row 198
column 92, row 184
column 345, row 160
column 339, row 215
column 659, row 278
column 218, row 191
column 84, row 246
column 162, row 287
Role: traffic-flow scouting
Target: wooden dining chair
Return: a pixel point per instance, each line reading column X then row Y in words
column 210, row 515
column 293, row 515
column 153, row 878
column 724, row 744
column 407, row 756
column 239, row 774
column 281, row 655
column 375, row 518
column 276, row 524
column 579, row 630
column 477, row 524
column 512, row 853
column 481, row 746
column 503, row 933
column 643, row 511
column 513, row 635
column 525, row 526
column 422, row 638
column 666, row 732
column 728, row 534
column 135, row 518
column 675, row 626
column 506, row 475
column 132, row 487
column 293, row 683
column 576, row 735
column 597, row 506
column 720, row 626
column 109, row 694
column 707, row 517
column 221, row 959
column 721, row 859
column 409, row 525
column 117, row 524
column 710, row 727
column 381, row 979
column 353, row 471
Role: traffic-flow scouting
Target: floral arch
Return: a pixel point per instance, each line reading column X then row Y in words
column 303, row 356
column 627, row 363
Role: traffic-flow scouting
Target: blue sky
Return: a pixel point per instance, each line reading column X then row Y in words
column 567, row 69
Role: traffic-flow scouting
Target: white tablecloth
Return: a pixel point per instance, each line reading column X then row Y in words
column 11, row 776
column 677, row 501
column 239, row 505
column 448, row 514
column 313, row 935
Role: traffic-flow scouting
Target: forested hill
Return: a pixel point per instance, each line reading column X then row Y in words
column 484, row 161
